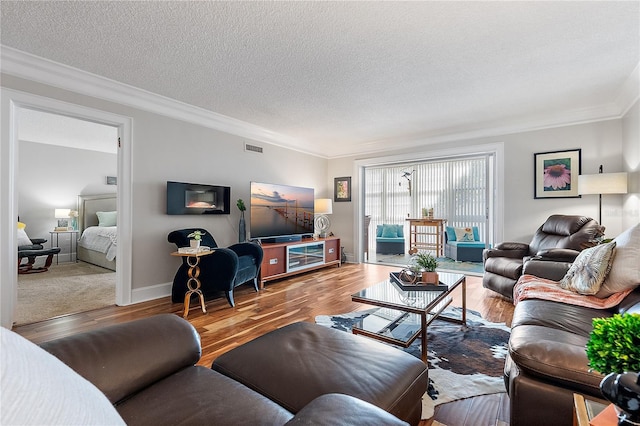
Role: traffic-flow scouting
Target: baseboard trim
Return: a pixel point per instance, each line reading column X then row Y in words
column 139, row 295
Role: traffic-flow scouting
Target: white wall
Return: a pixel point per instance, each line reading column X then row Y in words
column 600, row 142
column 631, row 164
column 51, row 177
column 168, row 149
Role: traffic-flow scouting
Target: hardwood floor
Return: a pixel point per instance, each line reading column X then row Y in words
column 300, row 298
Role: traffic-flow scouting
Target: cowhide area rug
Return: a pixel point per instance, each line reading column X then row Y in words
column 462, row 362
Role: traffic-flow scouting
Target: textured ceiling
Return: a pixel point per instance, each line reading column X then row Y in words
column 53, row 129
column 344, row 77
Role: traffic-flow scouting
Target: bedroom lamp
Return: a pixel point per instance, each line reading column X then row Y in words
column 63, row 217
column 602, row 183
column 321, row 208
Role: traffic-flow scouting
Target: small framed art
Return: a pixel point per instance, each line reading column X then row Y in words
column 556, row 174
column 342, row 189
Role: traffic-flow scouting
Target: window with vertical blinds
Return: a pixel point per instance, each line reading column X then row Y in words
column 457, row 189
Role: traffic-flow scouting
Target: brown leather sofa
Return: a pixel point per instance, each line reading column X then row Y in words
column 146, row 368
column 559, row 239
column 547, row 360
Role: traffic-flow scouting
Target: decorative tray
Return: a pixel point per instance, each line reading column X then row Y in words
column 193, row 250
column 417, row 286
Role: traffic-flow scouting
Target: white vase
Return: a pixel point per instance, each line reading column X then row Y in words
column 194, row 243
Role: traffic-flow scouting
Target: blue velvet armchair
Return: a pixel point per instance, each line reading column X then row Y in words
column 221, row 271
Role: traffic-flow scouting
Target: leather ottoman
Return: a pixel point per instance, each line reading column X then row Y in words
column 299, row 362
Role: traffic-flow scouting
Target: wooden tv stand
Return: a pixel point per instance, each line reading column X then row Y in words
column 285, row 259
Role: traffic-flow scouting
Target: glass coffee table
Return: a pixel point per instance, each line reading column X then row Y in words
column 404, row 315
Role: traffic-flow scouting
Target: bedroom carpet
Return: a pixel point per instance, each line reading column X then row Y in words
column 64, row 289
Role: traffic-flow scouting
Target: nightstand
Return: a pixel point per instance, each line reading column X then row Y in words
column 73, row 236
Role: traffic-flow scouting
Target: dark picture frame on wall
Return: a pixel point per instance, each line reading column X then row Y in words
column 556, row 173
column 342, row 189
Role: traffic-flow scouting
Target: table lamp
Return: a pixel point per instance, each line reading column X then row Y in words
column 63, row 217
column 321, row 208
column 602, row 183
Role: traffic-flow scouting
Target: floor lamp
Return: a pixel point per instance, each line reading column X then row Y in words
column 321, row 208
column 602, row 183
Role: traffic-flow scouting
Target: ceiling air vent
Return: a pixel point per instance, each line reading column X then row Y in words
column 254, row 148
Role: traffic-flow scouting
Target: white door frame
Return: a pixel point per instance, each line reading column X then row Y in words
column 12, row 101
column 497, row 149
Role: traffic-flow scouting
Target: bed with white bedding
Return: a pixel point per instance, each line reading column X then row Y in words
column 96, row 220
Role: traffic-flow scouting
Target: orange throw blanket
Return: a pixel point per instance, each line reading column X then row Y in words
column 532, row 287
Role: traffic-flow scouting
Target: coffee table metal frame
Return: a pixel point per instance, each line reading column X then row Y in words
column 427, row 305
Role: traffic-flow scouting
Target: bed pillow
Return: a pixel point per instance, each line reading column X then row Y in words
column 107, row 218
column 625, row 270
column 589, row 270
column 23, row 238
column 39, row 389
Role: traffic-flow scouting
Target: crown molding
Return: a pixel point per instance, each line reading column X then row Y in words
column 606, row 112
column 629, row 92
column 24, row 65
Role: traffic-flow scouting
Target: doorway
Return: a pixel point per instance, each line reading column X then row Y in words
column 13, row 102
column 60, row 159
column 457, row 187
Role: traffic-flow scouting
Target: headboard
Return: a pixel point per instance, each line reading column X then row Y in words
column 88, row 205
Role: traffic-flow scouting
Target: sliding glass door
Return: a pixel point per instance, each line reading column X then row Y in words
column 458, row 189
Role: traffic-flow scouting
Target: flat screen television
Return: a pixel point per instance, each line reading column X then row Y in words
column 280, row 212
column 196, row 198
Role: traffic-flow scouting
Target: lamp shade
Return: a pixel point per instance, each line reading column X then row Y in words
column 323, row 206
column 62, row 213
column 603, row 183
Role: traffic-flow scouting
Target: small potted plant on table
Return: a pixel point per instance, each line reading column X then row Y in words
column 197, row 237
column 427, row 264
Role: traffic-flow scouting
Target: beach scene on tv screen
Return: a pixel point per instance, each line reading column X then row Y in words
column 280, row 210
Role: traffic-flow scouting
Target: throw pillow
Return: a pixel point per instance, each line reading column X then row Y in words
column 23, row 238
column 451, row 233
column 588, row 271
column 389, row 231
column 464, row 234
column 625, row 270
column 107, row 218
column 39, row 389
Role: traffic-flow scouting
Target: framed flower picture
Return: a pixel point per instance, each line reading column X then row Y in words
column 342, row 189
column 556, row 174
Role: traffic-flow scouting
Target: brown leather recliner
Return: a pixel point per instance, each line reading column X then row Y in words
column 554, row 245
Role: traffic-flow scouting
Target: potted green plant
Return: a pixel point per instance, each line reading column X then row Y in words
column 197, row 237
column 427, row 264
column 613, row 349
column 614, row 344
